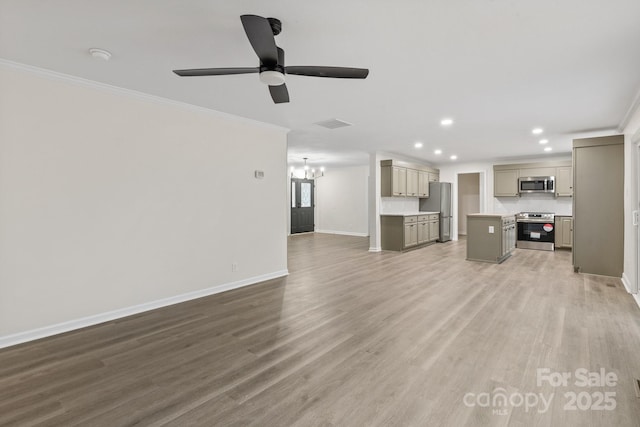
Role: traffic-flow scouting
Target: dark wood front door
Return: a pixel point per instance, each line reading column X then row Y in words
column 302, row 205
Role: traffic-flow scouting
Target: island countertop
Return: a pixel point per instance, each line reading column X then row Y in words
column 489, row 215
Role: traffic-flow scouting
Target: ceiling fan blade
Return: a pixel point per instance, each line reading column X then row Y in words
column 216, row 71
column 279, row 94
column 261, row 37
column 335, row 72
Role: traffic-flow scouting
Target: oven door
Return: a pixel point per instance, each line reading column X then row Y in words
column 536, row 235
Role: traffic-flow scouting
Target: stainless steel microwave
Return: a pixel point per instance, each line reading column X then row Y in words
column 537, row 184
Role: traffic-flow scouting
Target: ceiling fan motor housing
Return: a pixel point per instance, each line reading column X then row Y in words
column 276, row 25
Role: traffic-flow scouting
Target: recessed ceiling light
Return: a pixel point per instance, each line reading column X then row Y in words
column 437, row 151
column 537, row 131
column 446, row 122
column 547, row 149
column 100, row 54
column 453, row 157
column 418, row 145
column 543, row 141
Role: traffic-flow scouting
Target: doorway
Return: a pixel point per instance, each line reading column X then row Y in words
column 468, row 198
column 302, row 205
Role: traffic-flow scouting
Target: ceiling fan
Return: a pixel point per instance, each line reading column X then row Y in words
column 261, row 32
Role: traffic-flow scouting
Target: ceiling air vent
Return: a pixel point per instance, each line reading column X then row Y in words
column 333, row 124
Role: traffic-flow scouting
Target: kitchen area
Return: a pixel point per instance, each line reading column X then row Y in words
column 546, row 185
column 574, row 204
column 568, row 203
column 416, row 206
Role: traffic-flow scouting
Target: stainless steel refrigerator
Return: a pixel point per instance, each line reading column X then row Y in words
column 440, row 201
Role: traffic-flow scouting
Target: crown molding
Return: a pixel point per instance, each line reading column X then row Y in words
column 54, row 75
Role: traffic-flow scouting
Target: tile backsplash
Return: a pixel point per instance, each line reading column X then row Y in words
column 534, row 203
column 390, row 205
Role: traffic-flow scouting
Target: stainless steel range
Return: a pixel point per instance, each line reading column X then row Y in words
column 536, row 230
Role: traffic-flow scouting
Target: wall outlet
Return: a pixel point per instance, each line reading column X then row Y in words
column 491, row 229
column 234, row 266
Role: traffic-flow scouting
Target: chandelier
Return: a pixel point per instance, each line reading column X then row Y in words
column 306, row 172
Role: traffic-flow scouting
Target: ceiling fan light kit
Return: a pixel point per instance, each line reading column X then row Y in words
column 261, row 33
column 272, row 78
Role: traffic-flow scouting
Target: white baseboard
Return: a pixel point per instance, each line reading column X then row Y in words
column 372, row 249
column 344, row 233
column 627, row 283
column 34, row 334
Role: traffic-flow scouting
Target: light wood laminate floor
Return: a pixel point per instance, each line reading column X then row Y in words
column 349, row 338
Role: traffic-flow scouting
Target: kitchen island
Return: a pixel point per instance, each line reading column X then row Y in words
column 490, row 237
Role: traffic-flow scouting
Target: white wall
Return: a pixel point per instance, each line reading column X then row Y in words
column 342, row 201
column 509, row 205
column 110, row 200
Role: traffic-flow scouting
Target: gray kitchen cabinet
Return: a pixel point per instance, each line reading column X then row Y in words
column 564, row 232
column 403, row 179
column 505, row 177
column 393, row 181
column 423, row 232
column 412, row 183
column 564, row 181
column 434, row 228
column 598, row 205
column 505, row 183
column 401, row 232
column 399, row 181
column 490, row 237
column 410, row 235
column 423, row 184
column 537, row 171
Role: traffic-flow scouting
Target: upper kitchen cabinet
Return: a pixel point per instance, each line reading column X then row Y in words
column 412, row 183
column 402, row 179
column 505, row 183
column 423, row 184
column 505, row 177
column 564, row 181
column 393, row 181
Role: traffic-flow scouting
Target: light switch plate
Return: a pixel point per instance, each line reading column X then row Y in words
column 491, row 229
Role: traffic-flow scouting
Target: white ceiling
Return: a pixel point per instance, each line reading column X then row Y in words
column 497, row 67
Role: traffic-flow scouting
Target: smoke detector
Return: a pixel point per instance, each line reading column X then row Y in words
column 102, row 54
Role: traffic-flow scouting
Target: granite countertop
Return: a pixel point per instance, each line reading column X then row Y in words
column 409, row 213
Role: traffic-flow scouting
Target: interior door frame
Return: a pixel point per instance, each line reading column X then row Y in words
column 482, row 199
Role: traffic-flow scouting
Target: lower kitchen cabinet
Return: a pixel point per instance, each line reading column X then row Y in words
column 564, row 232
column 490, row 237
column 401, row 232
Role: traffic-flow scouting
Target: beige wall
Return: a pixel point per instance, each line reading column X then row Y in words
column 468, row 198
column 110, row 200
